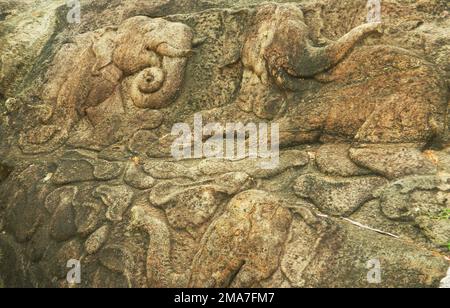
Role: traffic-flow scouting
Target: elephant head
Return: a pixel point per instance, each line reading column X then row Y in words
column 146, row 56
column 153, row 52
column 279, row 45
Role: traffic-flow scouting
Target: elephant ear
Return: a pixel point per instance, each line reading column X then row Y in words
column 103, row 48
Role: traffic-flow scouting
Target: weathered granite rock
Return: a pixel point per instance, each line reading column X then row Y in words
column 288, row 159
column 436, row 229
column 96, row 240
column 326, row 254
column 371, row 215
column 333, row 159
column 423, row 200
column 136, row 177
column 116, row 198
column 412, row 197
column 244, row 245
column 86, row 169
column 337, row 196
column 393, row 162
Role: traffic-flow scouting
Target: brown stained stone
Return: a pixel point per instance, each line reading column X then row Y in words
column 87, row 173
column 247, row 239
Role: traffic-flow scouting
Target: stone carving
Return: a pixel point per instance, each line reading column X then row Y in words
column 94, row 78
column 394, row 161
column 184, row 207
column 278, row 51
column 96, row 240
column 76, row 166
column 24, row 213
column 238, row 244
column 333, row 159
column 117, row 198
column 317, row 248
column 60, row 203
column 347, row 108
column 167, row 170
column 86, row 171
column 279, row 60
column 412, row 197
column 288, row 159
column 135, row 177
column 159, row 269
column 340, row 197
column 191, row 205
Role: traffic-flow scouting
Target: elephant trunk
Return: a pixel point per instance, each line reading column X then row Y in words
column 155, row 88
column 312, row 61
column 337, row 51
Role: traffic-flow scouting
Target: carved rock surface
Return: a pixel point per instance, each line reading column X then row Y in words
column 334, row 159
column 329, row 249
column 393, row 161
column 245, row 241
column 337, row 196
column 87, row 111
column 411, row 197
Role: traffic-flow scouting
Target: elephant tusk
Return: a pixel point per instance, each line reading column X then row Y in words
column 198, row 41
column 169, row 51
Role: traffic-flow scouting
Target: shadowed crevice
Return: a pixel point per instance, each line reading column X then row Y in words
column 5, row 171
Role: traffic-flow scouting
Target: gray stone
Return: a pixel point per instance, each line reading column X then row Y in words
column 337, row 196
column 415, row 196
column 333, row 159
column 393, row 161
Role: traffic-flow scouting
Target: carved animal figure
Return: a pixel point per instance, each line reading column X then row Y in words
column 147, row 55
column 335, row 93
column 278, row 50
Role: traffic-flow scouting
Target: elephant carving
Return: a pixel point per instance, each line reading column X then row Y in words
column 278, row 51
column 141, row 61
column 339, row 92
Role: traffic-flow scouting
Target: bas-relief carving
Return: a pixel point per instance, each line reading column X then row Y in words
column 280, row 60
column 110, row 82
column 118, row 79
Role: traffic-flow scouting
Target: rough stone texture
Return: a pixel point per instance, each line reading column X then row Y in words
column 423, row 200
column 86, row 171
column 333, row 159
column 337, row 196
column 393, row 161
column 329, row 247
